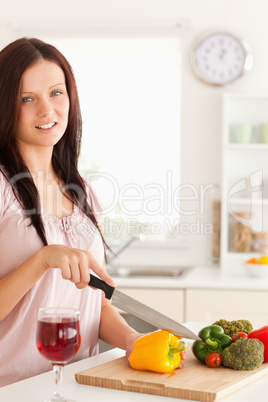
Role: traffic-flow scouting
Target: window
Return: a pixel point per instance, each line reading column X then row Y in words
column 129, row 90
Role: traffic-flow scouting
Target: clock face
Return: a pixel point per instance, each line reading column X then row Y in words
column 220, row 58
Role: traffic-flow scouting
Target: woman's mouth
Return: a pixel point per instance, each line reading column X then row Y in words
column 46, row 126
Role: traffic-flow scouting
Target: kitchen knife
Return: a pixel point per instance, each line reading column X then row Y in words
column 140, row 310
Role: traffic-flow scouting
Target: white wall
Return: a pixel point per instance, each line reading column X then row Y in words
column 201, row 104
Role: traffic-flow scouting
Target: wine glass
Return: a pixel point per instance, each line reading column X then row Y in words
column 58, row 340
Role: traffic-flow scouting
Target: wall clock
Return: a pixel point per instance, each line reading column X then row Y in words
column 220, row 57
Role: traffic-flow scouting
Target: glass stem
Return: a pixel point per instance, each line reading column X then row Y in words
column 58, row 371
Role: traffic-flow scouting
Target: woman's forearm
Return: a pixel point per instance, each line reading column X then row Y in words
column 16, row 284
column 114, row 330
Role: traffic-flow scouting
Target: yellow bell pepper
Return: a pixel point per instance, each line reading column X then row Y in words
column 158, row 351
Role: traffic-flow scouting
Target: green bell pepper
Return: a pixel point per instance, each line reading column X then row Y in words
column 213, row 339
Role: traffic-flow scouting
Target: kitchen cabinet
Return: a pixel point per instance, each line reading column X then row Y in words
column 244, row 189
column 167, row 301
column 206, row 305
column 211, row 305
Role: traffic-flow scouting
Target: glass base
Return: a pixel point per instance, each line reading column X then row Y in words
column 58, row 400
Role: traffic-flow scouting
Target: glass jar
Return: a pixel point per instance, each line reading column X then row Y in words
column 260, row 243
column 241, row 239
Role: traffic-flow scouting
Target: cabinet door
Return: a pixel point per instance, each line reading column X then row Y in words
column 166, row 301
column 205, row 305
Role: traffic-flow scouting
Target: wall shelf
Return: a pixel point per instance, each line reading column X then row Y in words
column 242, row 163
column 249, row 201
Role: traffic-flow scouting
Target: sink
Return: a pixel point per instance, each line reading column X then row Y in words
column 149, row 271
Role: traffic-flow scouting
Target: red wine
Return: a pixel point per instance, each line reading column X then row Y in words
column 58, row 341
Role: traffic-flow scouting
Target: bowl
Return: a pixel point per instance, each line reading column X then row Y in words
column 256, row 270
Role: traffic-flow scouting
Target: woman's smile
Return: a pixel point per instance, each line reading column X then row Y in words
column 46, row 126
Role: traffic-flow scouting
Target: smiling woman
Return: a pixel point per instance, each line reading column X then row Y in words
column 58, row 241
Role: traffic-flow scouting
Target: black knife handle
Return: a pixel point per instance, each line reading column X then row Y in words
column 99, row 284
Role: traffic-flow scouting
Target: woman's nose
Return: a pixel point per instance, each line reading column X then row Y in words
column 45, row 107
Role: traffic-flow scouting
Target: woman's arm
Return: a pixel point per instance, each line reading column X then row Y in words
column 114, row 330
column 16, row 284
column 74, row 265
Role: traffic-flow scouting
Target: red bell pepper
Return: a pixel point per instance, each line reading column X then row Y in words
column 262, row 335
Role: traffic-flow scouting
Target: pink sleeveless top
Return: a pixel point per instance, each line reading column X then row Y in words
column 19, row 357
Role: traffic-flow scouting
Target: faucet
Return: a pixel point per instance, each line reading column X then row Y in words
column 110, row 256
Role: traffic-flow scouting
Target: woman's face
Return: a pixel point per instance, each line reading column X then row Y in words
column 44, row 109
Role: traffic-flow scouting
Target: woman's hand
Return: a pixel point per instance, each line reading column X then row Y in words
column 74, row 264
column 130, row 341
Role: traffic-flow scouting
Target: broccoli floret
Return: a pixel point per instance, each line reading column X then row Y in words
column 247, row 326
column 244, row 354
column 233, row 327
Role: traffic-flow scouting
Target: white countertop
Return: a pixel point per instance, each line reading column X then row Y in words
column 36, row 389
column 199, row 277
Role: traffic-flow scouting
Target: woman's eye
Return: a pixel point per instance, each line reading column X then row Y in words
column 26, row 99
column 56, row 93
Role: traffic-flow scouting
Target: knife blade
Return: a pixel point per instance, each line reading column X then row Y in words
column 140, row 310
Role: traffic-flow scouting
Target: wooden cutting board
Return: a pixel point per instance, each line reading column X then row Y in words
column 195, row 381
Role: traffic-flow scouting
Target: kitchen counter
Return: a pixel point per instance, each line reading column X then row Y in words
column 198, row 277
column 40, row 387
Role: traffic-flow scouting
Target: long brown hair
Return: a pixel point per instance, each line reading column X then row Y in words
column 15, row 59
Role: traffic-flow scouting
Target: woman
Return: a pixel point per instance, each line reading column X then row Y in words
column 49, row 216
